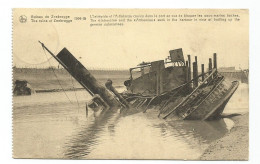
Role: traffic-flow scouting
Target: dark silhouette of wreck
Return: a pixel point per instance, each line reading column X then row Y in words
column 165, row 85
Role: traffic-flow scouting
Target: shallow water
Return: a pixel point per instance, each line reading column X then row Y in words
column 47, row 125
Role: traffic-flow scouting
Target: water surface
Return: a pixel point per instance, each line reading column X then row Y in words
column 47, row 125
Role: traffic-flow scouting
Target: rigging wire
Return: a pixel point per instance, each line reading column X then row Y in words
column 56, row 76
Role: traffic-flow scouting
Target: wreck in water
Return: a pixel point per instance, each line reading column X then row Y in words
column 165, row 85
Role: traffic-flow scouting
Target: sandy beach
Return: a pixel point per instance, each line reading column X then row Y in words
column 233, row 146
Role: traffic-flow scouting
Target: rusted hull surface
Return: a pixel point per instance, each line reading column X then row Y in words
column 172, row 77
column 84, row 77
column 214, row 104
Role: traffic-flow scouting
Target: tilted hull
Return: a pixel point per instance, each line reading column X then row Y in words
column 205, row 102
column 169, row 88
column 214, row 104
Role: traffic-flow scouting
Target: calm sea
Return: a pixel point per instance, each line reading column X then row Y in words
column 48, row 125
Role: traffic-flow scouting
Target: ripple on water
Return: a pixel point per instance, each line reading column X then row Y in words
column 51, row 129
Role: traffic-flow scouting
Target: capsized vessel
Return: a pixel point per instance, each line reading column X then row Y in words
column 165, row 85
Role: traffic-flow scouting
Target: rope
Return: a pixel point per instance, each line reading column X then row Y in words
column 56, row 76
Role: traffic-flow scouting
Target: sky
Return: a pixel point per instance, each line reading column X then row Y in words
column 122, row 47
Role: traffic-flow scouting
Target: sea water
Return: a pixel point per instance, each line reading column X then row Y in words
column 49, row 125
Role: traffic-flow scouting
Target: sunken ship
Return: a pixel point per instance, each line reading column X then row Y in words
column 172, row 86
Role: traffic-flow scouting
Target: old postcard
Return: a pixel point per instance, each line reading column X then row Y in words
column 131, row 84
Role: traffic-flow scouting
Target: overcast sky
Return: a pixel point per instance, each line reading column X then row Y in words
column 126, row 46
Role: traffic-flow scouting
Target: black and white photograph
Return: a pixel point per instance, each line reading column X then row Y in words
column 163, row 84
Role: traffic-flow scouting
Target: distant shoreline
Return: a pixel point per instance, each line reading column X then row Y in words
column 67, row 89
column 55, row 80
column 62, row 69
column 58, row 90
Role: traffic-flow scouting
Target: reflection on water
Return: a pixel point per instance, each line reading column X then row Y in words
column 46, row 125
column 88, row 136
column 138, row 137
